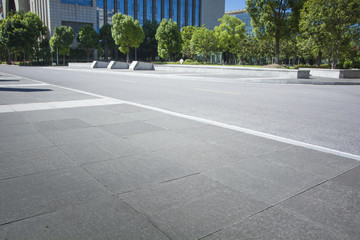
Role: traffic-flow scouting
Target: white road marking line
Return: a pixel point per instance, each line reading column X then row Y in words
column 224, row 125
column 57, row 105
column 216, row 91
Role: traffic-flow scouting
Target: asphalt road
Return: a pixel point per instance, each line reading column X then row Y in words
column 326, row 116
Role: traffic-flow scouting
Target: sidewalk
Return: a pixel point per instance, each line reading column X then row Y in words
column 79, row 166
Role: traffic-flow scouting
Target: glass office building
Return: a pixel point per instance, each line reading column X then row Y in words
column 184, row 12
column 243, row 16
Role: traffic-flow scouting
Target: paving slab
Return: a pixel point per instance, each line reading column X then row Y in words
column 124, row 108
column 130, row 128
column 11, row 118
column 203, row 157
column 37, row 160
column 61, row 124
column 179, row 208
column 98, row 116
column 36, row 194
column 23, row 142
column 100, row 149
column 320, row 163
column 155, row 141
column 173, row 123
column 130, row 173
column 40, row 116
column 17, row 129
column 273, row 224
column 61, row 137
column 104, row 218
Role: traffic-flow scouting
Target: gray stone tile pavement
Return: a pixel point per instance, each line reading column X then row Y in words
column 124, row 172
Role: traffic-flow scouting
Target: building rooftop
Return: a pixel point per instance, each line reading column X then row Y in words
column 235, row 12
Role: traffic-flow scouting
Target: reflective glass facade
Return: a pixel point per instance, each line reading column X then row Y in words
column 78, row 2
column 184, row 12
column 166, row 9
column 140, row 11
column 149, row 10
column 174, row 10
column 158, row 11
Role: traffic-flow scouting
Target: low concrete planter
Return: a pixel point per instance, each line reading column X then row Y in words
column 80, row 65
column 118, row 65
column 99, row 64
column 136, row 65
column 241, row 71
column 333, row 73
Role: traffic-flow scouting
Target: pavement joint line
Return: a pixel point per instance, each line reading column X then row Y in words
column 223, row 125
column 22, row 219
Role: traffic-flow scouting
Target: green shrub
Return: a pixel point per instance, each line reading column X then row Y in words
column 348, row 64
column 188, row 61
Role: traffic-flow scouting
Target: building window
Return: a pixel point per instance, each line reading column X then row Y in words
column 149, row 8
column 131, row 8
column 140, row 11
column 182, row 15
column 78, row 2
column 174, row 10
column 158, row 10
column 190, row 9
column 197, row 12
column 121, row 6
column 166, row 9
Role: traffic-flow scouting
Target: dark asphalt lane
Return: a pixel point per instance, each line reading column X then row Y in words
column 328, row 116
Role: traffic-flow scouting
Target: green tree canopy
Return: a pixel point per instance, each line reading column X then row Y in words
column 127, row 33
column 230, row 33
column 273, row 19
column 330, row 25
column 61, row 40
column 21, row 32
column 106, row 39
column 203, row 42
column 88, row 38
column 186, row 35
column 169, row 39
column 148, row 49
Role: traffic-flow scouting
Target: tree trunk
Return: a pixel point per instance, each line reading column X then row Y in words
column 335, row 58
column 319, row 58
column 277, row 49
column 88, row 54
column 127, row 57
column 64, row 59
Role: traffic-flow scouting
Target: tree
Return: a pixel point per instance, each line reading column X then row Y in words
column 203, row 42
column 330, row 25
column 127, row 33
column 88, row 38
column 230, row 34
column 273, row 19
column 186, row 35
column 169, row 39
column 22, row 33
column 36, row 33
column 107, row 40
column 13, row 34
column 61, row 40
column 148, row 49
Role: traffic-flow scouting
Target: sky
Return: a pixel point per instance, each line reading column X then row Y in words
column 234, row 5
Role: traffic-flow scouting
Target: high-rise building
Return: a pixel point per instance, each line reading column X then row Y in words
column 77, row 13
column 243, row 16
